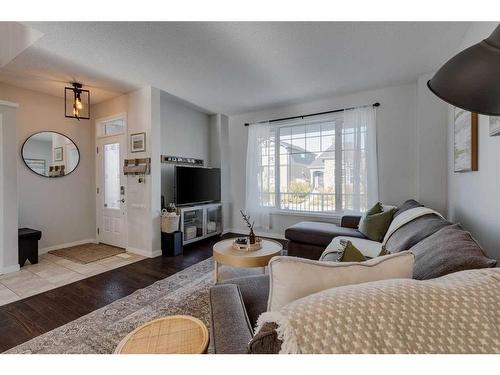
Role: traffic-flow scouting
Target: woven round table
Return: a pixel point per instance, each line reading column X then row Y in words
column 177, row 334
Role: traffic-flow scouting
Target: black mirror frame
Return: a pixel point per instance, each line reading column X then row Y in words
column 50, row 131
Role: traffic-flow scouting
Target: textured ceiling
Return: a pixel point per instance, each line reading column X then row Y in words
column 233, row 67
column 14, row 38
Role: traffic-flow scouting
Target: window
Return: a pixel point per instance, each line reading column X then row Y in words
column 112, row 176
column 315, row 165
column 113, row 127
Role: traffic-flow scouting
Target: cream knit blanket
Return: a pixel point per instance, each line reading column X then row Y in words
column 457, row 313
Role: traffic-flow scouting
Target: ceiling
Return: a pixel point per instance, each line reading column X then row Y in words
column 233, row 67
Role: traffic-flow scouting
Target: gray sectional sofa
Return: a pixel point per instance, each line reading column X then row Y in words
column 439, row 246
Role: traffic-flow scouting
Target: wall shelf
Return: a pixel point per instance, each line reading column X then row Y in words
column 180, row 160
column 137, row 166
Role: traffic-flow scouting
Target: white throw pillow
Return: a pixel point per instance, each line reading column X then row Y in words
column 293, row 278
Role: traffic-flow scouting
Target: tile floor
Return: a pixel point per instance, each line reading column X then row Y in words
column 52, row 272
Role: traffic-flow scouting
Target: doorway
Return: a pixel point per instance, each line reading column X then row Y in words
column 111, row 183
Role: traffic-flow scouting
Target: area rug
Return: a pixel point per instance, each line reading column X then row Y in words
column 184, row 293
column 87, row 253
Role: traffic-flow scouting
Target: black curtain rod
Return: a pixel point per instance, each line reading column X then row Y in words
column 312, row 114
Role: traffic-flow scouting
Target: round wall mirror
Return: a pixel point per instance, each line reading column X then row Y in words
column 50, row 154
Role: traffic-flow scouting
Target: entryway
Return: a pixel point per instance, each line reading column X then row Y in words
column 53, row 271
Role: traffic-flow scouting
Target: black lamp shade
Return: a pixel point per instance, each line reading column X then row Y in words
column 471, row 79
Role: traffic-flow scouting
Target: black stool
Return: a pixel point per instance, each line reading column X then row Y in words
column 28, row 245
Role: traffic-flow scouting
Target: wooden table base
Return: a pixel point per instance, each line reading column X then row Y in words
column 224, row 253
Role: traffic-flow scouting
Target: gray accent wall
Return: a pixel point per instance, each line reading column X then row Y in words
column 185, row 131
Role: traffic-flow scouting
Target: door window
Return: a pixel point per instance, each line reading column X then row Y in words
column 112, row 175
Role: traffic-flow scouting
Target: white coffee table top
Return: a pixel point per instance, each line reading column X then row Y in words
column 224, row 253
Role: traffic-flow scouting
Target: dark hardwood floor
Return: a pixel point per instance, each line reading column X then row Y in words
column 23, row 320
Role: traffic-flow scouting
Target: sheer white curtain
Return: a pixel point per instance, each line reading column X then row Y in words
column 259, row 174
column 361, row 121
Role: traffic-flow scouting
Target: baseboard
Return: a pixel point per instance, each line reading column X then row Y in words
column 258, row 233
column 144, row 253
column 64, row 245
column 10, row 269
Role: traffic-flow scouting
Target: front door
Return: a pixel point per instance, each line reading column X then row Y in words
column 111, row 194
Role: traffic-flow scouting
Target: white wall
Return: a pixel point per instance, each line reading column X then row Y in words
column 155, row 132
column 2, row 214
column 397, row 147
column 62, row 208
column 8, row 189
column 185, row 131
column 220, row 158
column 432, row 163
column 39, row 150
column 473, row 196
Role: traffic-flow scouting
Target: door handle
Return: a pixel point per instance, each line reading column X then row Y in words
column 122, row 200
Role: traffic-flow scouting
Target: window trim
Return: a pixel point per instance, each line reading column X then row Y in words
column 311, row 214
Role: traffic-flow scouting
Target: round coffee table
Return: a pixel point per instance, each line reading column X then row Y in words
column 177, row 334
column 224, row 253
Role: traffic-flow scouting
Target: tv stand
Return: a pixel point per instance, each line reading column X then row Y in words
column 200, row 221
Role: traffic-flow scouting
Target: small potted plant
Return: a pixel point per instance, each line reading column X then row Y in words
column 246, row 219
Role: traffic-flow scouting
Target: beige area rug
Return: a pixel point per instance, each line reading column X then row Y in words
column 99, row 332
column 87, row 253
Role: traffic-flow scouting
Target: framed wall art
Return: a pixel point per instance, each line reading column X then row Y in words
column 494, row 125
column 465, row 141
column 138, row 142
column 58, row 154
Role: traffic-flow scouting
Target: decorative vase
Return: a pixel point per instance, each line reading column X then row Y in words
column 251, row 237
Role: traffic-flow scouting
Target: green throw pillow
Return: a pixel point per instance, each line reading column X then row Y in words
column 351, row 253
column 376, row 209
column 375, row 224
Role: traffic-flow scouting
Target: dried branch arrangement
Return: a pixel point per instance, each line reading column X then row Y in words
column 246, row 219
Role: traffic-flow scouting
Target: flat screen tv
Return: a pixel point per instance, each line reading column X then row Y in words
column 196, row 185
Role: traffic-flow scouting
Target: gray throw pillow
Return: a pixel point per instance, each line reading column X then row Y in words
column 410, row 203
column 413, row 232
column 449, row 250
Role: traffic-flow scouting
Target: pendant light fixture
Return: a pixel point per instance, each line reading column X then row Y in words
column 77, row 102
column 471, row 79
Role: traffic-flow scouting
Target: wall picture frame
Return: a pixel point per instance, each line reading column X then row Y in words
column 494, row 126
column 465, row 151
column 58, row 154
column 138, row 142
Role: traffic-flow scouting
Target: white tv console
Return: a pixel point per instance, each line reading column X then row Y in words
column 200, row 221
